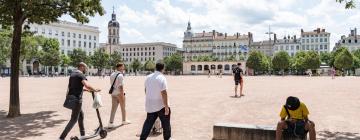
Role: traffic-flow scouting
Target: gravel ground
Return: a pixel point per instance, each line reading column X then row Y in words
column 197, row 103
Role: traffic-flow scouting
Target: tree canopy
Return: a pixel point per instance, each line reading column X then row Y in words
column 77, row 56
column 15, row 12
column 281, row 61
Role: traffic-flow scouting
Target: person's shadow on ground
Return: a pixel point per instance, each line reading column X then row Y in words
column 326, row 135
column 27, row 125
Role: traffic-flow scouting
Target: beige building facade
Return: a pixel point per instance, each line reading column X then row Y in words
column 199, row 68
column 214, row 44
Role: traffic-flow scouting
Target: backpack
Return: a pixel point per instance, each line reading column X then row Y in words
column 296, row 129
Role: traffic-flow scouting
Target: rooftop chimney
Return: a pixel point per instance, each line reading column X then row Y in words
column 237, row 35
column 203, row 33
column 355, row 33
column 302, row 30
column 294, row 38
column 318, row 30
column 323, row 30
column 213, row 33
column 275, row 38
column 225, row 35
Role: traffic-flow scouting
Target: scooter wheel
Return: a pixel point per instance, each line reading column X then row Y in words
column 74, row 138
column 103, row 133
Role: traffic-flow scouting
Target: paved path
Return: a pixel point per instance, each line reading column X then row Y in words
column 197, row 103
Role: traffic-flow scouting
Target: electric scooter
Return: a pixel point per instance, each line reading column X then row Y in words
column 98, row 131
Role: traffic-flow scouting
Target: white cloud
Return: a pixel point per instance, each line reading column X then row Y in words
column 165, row 20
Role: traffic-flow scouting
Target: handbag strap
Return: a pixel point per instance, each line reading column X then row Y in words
column 112, row 85
column 287, row 111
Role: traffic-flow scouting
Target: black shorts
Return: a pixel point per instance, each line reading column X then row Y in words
column 297, row 128
column 237, row 82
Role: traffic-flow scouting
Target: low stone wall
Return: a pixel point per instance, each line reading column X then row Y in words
column 228, row 131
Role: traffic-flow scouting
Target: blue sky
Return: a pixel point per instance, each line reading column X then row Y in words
column 166, row 20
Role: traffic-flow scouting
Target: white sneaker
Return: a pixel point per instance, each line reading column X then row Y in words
column 126, row 122
column 111, row 125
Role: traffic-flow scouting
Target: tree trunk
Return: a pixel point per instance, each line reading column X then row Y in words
column 14, row 107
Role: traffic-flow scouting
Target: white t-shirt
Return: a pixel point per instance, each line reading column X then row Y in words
column 119, row 82
column 154, row 84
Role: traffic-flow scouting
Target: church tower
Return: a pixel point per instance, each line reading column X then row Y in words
column 113, row 30
column 188, row 34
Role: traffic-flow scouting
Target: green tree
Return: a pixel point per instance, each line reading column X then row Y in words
column 50, row 53
column 299, row 62
column 312, row 60
column 281, row 61
column 335, row 53
column 174, row 63
column 65, row 62
column 356, row 55
column 77, row 56
column 231, row 58
column 349, row 4
column 344, row 60
column 149, row 65
column 135, row 65
column 5, row 42
column 100, row 60
column 257, row 61
column 15, row 12
column 115, row 58
column 325, row 58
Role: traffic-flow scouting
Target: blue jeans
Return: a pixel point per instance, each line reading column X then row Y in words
column 150, row 120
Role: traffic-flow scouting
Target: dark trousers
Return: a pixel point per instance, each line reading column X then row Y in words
column 77, row 115
column 150, row 120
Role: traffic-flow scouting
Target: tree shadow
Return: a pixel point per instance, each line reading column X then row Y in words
column 326, row 135
column 27, row 125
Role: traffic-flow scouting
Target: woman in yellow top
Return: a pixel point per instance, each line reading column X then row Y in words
column 294, row 120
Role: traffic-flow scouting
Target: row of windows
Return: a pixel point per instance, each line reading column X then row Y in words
column 350, row 41
column 293, row 54
column 79, row 43
column 316, row 40
column 139, row 54
column 321, row 35
column 138, row 49
column 303, row 47
column 212, row 67
column 56, row 33
column 141, row 59
column 69, row 52
column 210, row 44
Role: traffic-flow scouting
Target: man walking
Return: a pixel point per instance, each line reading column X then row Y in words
column 118, row 95
column 156, row 103
column 237, row 72
column 76, row 85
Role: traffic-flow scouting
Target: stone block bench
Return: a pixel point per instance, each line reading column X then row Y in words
column 229, row 131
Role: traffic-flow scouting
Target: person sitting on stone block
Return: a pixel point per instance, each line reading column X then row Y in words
column 294, row 120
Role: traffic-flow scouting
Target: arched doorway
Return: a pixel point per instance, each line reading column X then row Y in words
column 193, row 67
column 227, row 67
column 219, row 67
column 199, row 67
column 206, row 67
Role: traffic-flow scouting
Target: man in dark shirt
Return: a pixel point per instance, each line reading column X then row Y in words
column 77, row 82
column 237, row 72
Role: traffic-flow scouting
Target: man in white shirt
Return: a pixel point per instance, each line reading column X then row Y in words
column 156, row 103
column 118, row 95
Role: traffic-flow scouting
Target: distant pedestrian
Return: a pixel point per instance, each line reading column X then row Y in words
column 209, row 73
column 118, row 94
column 76, row 85
column 238, row 78
column 220, row 73
column 157, row 104
column 333, row 72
